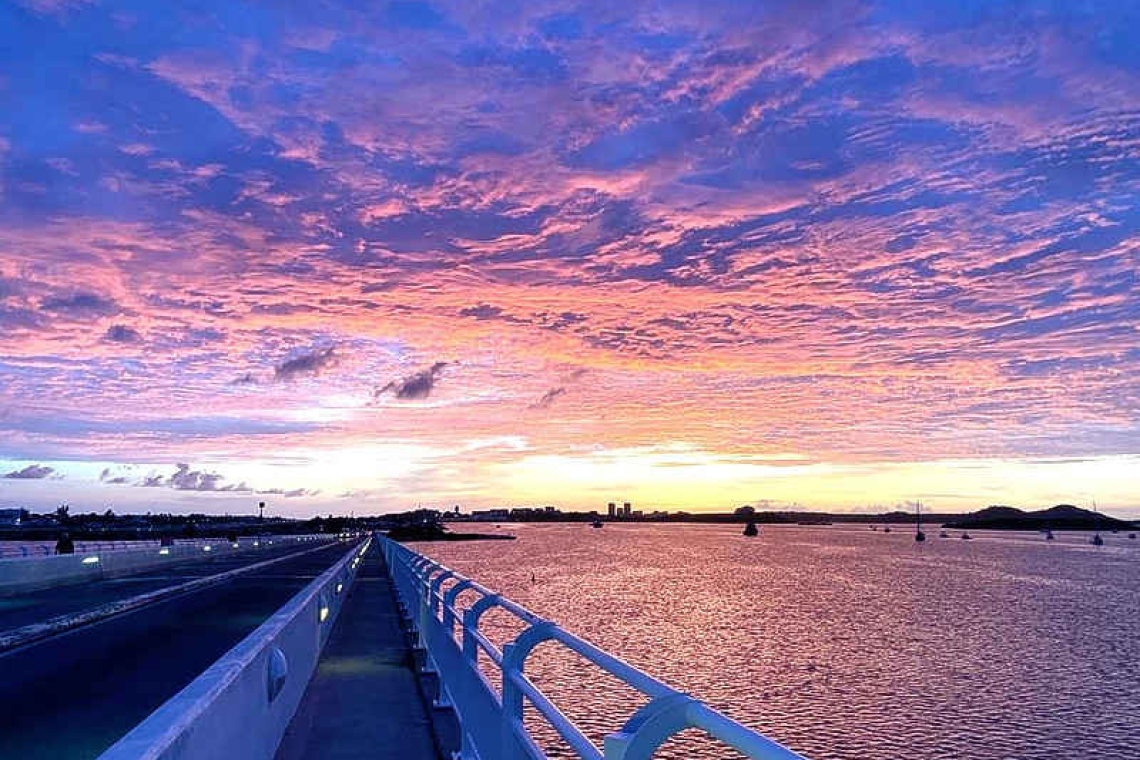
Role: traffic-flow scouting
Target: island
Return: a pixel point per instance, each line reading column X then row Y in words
column 433, row 531
column 1060, row 517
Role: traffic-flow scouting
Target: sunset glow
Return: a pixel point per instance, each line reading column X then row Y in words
column 364, row 256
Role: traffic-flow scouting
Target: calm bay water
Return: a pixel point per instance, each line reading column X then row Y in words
column 838, row 641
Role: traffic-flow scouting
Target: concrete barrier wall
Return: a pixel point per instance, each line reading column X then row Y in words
column 20, row 575
column 242, row 704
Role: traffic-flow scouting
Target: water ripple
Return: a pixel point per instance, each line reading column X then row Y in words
column 839, row 642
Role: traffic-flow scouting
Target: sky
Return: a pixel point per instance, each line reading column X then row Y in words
column 359, row 257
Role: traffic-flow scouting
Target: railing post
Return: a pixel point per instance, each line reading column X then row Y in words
column 512, row 704
column 512, row 696
column 470, row 647
column 422, row 623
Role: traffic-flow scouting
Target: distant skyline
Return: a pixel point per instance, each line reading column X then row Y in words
column 690, row 255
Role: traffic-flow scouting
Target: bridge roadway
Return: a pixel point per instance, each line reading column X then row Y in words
column 364, row 699
column 74, row 694
column 38, row 606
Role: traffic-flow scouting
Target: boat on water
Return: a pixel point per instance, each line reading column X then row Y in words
column 596, row 523
column 1096, row 539
column 886, row 529
column 943, row 534
column 1048, row 534
column 967, row 537
column 918, row 534
column 750, row 529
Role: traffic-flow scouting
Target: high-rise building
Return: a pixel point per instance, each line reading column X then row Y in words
column 625, row 508
column 613, row 508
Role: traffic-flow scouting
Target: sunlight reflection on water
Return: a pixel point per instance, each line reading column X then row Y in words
column 837, row 641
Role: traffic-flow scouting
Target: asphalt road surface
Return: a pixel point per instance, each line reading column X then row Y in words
column 73, row 695
column 38, row 606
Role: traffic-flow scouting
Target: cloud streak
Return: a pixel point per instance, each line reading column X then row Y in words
column 312, row 363
column 417, row 385
column 31, row 472
column 548, row 398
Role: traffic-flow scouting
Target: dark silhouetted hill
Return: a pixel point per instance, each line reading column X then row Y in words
column 1060, row 517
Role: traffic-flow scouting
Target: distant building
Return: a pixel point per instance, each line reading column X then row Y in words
column 613, row 509
column 491, row 515
column 625, row 509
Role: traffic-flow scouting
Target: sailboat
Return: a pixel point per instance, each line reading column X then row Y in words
column 1096, row 539
column 750, row 529
column 918, row 534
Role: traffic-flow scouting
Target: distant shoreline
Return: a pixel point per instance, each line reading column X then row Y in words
column 1013, row 527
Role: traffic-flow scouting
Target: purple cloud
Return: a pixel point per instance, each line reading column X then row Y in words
column 418, row 385
column 122, row 334
column 31, row 472
column 312, row 363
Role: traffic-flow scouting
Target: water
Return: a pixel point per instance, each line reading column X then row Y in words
column 838, row 641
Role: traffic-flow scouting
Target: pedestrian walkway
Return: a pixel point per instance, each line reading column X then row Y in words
column 364, row 700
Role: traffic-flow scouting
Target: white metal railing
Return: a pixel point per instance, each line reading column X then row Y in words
column 491, row 725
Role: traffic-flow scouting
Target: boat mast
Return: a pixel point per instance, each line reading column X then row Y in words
column 1096, row 539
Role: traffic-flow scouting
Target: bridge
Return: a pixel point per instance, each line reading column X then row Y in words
column 354, row 648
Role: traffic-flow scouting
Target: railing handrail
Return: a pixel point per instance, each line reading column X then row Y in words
column 420, row 584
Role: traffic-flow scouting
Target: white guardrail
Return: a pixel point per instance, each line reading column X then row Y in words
column 242, row 704
column 11, row 549
column 492, row 727
column 22, row 575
